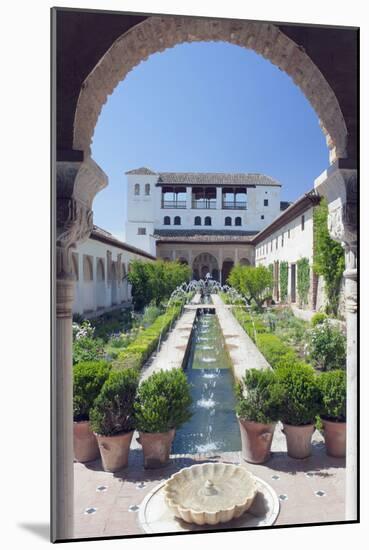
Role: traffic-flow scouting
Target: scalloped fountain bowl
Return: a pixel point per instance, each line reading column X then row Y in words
column 210, row 493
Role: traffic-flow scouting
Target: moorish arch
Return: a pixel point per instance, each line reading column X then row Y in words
column 245, row 261
column 227, row 265
column 158, row 33
column 203, row 264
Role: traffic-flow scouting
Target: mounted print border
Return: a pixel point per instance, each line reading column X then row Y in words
column 92, row 52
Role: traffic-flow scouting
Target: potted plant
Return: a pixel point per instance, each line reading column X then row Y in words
column 333, row 411
column 112, row 418
column 88, row 379
column 258, row 407
column 162, row 405
column 301, row 404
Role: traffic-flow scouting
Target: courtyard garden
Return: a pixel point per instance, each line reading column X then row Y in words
column 167, row 371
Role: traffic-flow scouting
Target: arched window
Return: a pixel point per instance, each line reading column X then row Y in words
column 208, row 220
column 197, row 220
column 177, row 220
column 228, row 221
column 147, row 189
column 166, row 220
column 137, row 189
column 238, row 221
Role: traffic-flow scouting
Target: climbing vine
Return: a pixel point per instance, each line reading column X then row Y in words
column 271, row 269
column 283, row 280
column 329, row 260
column 303, row 280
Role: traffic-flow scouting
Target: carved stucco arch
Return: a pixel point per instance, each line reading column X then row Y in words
column 158, row 33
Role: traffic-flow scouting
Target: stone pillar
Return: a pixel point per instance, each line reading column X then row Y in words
column 219, row 198
column 189, row 199
column 339, row 186
column 76, row 185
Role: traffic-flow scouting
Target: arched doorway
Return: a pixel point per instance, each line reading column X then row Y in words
column 203, row 264
column 226, row 269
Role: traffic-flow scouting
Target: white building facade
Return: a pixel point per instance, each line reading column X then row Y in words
column 288, row 239
column 184, row 215
column 100, row 269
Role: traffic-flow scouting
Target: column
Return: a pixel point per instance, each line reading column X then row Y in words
column 339, row 185
column 189, row 199
column 236, row 256
column 62, row 398
column 219, row 198
column 350, row 276
column 76, row 185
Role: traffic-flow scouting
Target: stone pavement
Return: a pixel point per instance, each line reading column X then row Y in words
column 310, row 490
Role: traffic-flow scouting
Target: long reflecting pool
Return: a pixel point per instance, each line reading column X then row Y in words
column 213, row 426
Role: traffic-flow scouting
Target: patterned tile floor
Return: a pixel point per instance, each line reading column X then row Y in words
column 310, row 490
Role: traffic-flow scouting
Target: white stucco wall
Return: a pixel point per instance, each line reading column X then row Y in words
column 101, row 292
column 289, row 244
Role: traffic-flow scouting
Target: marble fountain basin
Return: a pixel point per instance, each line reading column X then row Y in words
column 210, row 493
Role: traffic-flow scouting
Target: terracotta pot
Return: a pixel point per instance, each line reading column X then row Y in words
column 298, row 440
column 156, row 448
column 335, row 438
column 85, row 445
column 114, row 450
column 256, row 440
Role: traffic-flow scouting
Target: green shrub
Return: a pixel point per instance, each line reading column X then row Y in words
column 318, row 318
column 283, row 280
column 163, row 402
column 88, row 379
column 303, row 280
column 252, row 282
column 276, row 352
column 333, row 394
column 113, row 410
column 329, row 257
column 138, row 351
column 301, row 394
column 87, row 349
column 327, row 347
column 259, row 398
column 153, row 282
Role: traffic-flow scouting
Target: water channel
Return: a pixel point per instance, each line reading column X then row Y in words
column 213, row 426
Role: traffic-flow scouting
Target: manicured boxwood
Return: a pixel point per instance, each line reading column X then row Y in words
column 301, row 394
column 332, row 386
column 138, row 351
column 113, row 410
column 88, row 379
column 163, row 402
column 276, row 352
column 259, row 397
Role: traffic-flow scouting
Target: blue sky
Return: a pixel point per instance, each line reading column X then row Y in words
column 210, row 107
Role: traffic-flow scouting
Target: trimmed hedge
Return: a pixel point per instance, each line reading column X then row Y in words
column 138, row 351
column 332, row 385
column 301, row 394
column 277, row 353
column 88, row 379
column 113, row 410
column 163, row 402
